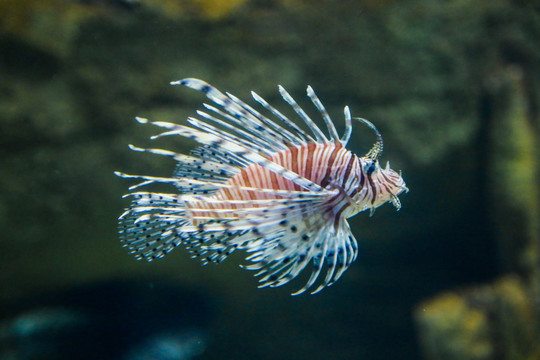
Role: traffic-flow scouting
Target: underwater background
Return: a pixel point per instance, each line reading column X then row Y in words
column 453, row 86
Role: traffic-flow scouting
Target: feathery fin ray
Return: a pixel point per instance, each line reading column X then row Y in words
column 248, row 188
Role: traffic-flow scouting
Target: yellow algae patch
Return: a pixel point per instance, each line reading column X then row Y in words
column 215, row 9
column 451, row 329
column 516, row 313
column 210, row 9
column 491, row 321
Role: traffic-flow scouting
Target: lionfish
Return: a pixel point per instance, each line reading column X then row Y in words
column 261, row 185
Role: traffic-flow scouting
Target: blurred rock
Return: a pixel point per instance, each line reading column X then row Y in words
column 488, row 322
column 513, row 169
column 502, row 320
column 115, row 320
column 170, row 346
column 449, row 329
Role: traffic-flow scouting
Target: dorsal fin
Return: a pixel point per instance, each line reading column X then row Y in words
column 377, row 148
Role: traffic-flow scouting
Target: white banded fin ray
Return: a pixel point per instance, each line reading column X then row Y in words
column 261, row 185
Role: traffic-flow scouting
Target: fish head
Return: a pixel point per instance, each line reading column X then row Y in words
column 384, row 184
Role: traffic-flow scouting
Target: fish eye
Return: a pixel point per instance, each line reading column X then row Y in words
column 369, row 168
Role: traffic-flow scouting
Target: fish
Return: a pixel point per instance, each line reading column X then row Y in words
column 260, row 184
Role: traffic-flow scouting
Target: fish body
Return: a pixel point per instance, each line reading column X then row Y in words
column 263, row 186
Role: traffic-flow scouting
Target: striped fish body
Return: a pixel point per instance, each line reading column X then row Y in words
column 262, row 186
column 319, row 163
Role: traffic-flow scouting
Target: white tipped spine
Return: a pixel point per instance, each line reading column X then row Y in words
column 328, row 121
column 348, row 126
column 319, row 135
